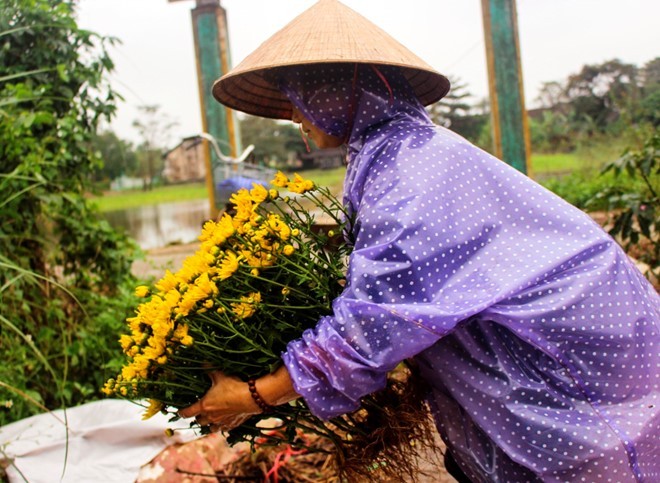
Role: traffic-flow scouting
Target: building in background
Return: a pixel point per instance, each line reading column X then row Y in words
column 185, row 163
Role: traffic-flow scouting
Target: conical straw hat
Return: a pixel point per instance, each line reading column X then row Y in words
column 328, row 32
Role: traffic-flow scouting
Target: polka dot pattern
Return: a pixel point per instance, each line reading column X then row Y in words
column 538, row 336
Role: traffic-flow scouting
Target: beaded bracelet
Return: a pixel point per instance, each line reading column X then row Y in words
column 265, row 407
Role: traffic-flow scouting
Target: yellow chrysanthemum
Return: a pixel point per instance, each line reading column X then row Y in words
column 109, row 387
column 247, row 307
column 244, row 205
column 279, row 227
column 259, row 235
column 228, row 266
column 154, row 408
column 181, row 334
column 280, row 180
column 258, row 193
column 215, row 234
column 128, row 372
column 141, row 366
column 193, row 266
column 207, row 231
column 300, row 185
column 142, row 291
column 273, row 194
column 251, row 259
column 126, row 341
column 288, row 250
column 167, row 283
column 225, row 227
column 195, row 294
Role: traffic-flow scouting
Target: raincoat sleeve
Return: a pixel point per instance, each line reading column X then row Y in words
column 432, row 250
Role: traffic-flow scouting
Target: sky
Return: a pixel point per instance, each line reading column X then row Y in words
column 155, row 62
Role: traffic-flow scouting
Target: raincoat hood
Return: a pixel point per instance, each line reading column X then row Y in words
column 350, row 101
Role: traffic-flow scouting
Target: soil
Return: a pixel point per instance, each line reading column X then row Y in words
column 158, row 260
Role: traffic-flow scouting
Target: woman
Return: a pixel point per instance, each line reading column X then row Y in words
column 536, row 334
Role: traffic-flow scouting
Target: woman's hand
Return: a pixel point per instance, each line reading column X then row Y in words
column 227, row 404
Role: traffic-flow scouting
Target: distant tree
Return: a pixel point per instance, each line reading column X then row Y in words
column 455, row 112
column 552, row 95
column 603, row 92
column 550, row 132
column 117, row 156
column 453, row 105
column 155, row 129
column 651, row 75
column 274, row 141
column 650, row 103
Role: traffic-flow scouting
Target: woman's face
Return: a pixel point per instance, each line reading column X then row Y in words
column 320, row 138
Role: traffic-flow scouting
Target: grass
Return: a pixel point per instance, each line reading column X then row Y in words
column 554, row 163
column 123, row 200
column 332, row 178
column 543, row 167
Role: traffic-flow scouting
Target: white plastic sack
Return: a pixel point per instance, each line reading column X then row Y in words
column 108, row 442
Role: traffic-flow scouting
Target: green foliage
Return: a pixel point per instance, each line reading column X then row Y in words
column 549, row 133
column 650, row 108
column 154, row 128
column 118, row 156
column 274, row 141
column 580, row 187
column 635, row 219
column 62, row 270
column 456, row 113
column 602, row 92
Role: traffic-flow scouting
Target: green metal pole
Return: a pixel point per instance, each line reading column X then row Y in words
column 212, row 53
column 508, row 114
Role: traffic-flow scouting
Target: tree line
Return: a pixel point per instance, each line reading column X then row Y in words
column 598, row 101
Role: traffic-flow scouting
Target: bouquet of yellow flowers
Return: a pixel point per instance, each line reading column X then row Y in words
column 260, row 278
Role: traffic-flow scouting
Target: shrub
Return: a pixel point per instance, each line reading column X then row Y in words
column 635, row 213
column 63, row 273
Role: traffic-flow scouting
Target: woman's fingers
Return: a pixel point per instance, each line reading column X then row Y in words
column 192, row 410
column 228, row 403
column 220, row 422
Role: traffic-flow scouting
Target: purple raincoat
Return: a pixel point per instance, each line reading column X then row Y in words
column 537, row 334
